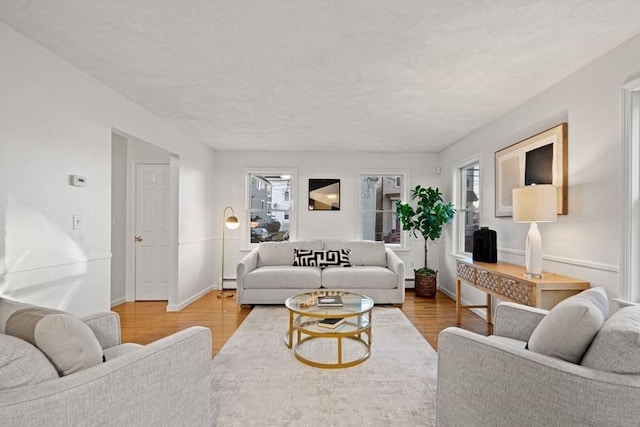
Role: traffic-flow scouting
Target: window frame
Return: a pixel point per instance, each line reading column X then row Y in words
column 459, row 191
column 630, row 212
column 293, row 225
column 404, row 196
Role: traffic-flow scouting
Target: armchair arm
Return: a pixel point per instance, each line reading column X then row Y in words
column 516, row 320
column 395, row 264
column 106, row 327
column 165, row 383
column 246, row 265
column 485, row 382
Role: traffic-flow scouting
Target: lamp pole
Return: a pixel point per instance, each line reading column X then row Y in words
column 232, row 223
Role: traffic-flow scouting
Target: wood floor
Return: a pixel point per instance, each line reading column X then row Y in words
column 145, row 322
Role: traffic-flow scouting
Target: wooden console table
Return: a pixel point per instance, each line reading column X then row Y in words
column 507, row 282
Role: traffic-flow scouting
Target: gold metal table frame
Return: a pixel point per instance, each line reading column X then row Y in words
column 357, row 309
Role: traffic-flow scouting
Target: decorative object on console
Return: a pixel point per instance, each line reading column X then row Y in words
column 324, row 194
column 540, row 159
column 484, row 245
column 230, row 222
column 534, row 203
column 428, row 219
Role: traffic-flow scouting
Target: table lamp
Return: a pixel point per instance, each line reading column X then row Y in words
column 534, row 204
column 230, row 222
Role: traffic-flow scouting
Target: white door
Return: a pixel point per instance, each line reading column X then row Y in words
column 152, row 232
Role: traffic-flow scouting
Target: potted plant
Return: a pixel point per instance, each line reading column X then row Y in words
column 427, row 219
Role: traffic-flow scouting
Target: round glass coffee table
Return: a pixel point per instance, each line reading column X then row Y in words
column 305, row 314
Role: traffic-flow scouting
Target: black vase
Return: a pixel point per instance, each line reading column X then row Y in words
column 484, row 245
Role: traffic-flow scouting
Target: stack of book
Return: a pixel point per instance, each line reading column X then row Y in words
column 330, row 301
column 331, row 323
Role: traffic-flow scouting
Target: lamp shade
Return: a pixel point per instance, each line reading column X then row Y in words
column 232, row 223
column 535, row 203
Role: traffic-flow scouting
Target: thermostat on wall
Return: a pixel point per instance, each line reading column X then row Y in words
column 78, row 181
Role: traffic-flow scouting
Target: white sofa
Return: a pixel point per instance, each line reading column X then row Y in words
column 165, row 383
column 267, row 274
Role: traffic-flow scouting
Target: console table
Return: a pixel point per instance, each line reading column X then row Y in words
column 508, row 282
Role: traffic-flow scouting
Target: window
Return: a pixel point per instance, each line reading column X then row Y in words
column 468, row 205
column 379, row 193
column 269, row 206
column 630, row 283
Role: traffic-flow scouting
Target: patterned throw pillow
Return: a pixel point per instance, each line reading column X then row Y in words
column 318, row 258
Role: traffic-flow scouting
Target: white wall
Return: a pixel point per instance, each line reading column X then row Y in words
column 230, row 167
column 118, row 219
column 57, row 121
column 584, row 244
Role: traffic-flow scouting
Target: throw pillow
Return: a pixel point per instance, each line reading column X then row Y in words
column 319, row 258
column 22, row 364
column 568, row 329
column 66, row 340
column 616, row 347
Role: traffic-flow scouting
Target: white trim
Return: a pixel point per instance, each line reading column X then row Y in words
column 118, row 301
column 569, row 261
column 404, row 197
column 61, row 264
column 630, row 215
column 457, row 197
column 191, row 299
column 480, row 312
column 198, row 241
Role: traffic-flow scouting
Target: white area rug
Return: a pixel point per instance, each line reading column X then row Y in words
column 257, row 381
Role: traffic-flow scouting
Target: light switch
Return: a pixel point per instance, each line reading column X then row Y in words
column 76, row 222
column 77, row 180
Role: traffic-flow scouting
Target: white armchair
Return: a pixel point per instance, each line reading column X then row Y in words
column 165, row 383
column 489, row 381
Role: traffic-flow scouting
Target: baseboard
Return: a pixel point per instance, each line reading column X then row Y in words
column 118, row 301
column 482, row 312
column 193, row 298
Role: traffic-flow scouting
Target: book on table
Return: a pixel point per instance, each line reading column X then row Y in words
column 330, row 301
column 331, row 323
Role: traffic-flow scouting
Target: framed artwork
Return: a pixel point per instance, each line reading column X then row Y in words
column 324, row 194
column 540, row 159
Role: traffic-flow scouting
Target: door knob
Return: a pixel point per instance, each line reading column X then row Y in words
column 138, row 238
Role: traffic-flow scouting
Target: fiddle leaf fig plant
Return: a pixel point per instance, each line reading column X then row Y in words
column 428, row 218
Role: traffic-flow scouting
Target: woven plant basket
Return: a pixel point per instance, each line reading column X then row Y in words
column 426, row 285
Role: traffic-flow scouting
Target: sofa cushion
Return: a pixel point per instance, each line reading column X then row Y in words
column 22, row 364
column 66, row 340
column 283, row 277
column 364, row 277
column 281, row 253
column 363, row 252
column 321, row 258
column 568, row 329
column 616, row 347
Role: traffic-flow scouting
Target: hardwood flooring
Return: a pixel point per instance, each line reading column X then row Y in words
column 145, row 322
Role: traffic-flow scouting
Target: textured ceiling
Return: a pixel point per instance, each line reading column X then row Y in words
column 327, row 75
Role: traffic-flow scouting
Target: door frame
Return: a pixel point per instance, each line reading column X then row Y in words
column 174, row 169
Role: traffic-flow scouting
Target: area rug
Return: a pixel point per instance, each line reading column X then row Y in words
column 257, row 381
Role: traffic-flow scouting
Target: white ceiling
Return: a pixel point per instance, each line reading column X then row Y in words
column 327, row 75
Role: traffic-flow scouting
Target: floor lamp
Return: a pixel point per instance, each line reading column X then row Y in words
column 534, row 204
column 230, row 222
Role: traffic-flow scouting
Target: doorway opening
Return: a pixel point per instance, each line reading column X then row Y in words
column 144, row 221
